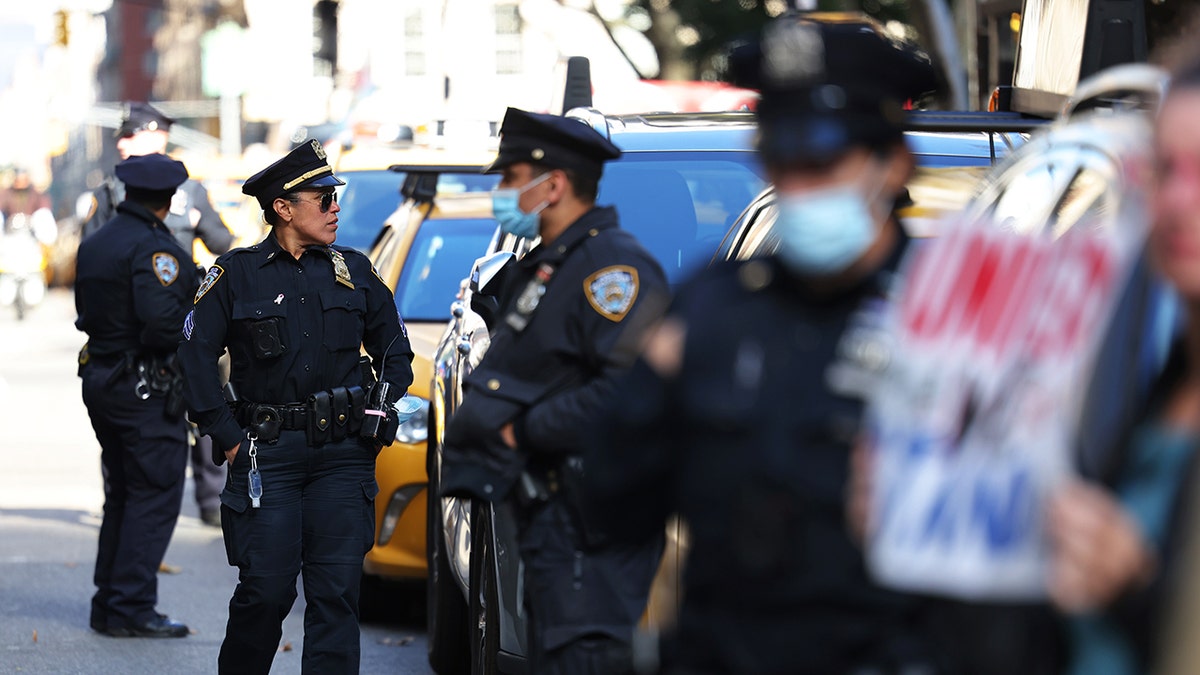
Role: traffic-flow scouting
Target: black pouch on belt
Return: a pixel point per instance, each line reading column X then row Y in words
column 358, row 403
column 320, row 418
column 341, row 413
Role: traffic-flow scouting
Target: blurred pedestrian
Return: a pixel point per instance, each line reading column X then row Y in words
column 132, row 290
column 519, row 434
column 22, row 205
column 144, row 130
column 741, row 414
column 1117, row 536
column 301, row 439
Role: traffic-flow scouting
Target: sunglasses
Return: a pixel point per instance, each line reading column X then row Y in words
column 325, row 202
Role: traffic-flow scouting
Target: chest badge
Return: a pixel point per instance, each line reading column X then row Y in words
column 166, row 268
column 612, row 291
column 340, row 271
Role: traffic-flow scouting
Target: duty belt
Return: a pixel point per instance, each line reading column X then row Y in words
column 329, row 415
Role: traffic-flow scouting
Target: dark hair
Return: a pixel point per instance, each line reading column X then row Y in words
column 151, row 199
column 270, row 216
column 585, row 185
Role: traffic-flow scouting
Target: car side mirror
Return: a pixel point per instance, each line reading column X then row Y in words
column 486, row 272
column 485, row 281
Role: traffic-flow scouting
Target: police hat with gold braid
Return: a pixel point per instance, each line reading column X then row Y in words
column 302, row 168
column 551, row 141
column 829, row 82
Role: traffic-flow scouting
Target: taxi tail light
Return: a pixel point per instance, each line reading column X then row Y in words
column 401, row 498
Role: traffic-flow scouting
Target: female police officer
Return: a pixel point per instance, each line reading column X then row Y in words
column 744, row 424
column 301, row 440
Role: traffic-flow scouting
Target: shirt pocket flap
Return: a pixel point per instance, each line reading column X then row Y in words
column 253, row 311
column 343, row 298
column 504, row 386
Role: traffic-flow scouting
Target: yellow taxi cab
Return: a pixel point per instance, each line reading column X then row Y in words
column 443, row 224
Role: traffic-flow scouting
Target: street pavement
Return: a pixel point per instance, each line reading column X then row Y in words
column 50, row 505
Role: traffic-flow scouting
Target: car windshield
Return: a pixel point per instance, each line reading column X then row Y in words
column 440, row 252
column 367, row 199
column 680, row 204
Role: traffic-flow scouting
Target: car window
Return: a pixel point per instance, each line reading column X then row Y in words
column 441, row 252
column 1063, row 187
column 367, row 199
column 680, row 204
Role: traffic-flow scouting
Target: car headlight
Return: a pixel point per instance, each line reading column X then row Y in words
column 415, row 429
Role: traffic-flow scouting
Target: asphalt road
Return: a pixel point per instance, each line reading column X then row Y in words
column 50, row 501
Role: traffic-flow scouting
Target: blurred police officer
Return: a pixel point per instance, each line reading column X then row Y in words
column 563, row 310
column 132, row 291
column 743, row 410
column 302, row 437
column 144, row 130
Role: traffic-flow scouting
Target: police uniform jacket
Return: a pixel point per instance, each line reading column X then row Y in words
column 133, row 286
column 750, row 444
column 551, row 378
column 210, row 229
column 321, row 320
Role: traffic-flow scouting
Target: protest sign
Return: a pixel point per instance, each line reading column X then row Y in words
column 992, row 337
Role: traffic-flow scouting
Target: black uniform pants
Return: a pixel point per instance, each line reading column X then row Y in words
column 317, row 517
column 209, row 478
column 143, row 456
column 582, row 604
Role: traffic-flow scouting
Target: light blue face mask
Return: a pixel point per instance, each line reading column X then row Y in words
column 823, row 232
column 506, row 208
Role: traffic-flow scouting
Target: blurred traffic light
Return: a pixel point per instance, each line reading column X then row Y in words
column 62, row 34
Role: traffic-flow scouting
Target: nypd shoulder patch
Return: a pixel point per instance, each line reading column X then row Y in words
column 612, row 291
column 166, row 268
column 210, row 279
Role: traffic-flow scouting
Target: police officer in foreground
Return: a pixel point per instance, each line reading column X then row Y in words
column 742, row 411
column 144, row 130
column 565, row 309
column 307, row 419
column 133, row 287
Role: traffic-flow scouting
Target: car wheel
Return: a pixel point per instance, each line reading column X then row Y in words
column 484, row 601
column 445, row 608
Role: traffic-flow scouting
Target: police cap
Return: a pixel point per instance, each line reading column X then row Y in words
column 303, row 167
column 552, row 141
column 142, row 117
column 829, row 82
column 151, row 173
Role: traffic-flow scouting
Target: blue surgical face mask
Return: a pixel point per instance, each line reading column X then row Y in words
column 823, row 232
column 506, row 208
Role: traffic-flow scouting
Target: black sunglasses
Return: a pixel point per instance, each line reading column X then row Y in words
column 326, row 201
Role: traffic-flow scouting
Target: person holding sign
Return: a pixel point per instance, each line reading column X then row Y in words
column 742, row 411
column 1115, row 539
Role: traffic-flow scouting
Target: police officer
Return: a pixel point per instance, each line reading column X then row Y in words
column 564, row 310
column 742, row 411
column 132, row 290
column 308, row 420
column 144, row 130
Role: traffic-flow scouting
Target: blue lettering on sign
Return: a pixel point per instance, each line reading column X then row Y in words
column 995, row 510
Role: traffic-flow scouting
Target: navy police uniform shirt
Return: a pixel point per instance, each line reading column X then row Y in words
column 551, row 378
column 750, row 444
column 133, row 285
column 326, row 304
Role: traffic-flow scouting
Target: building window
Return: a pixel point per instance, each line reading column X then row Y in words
column 508, row 39
column 414, row 44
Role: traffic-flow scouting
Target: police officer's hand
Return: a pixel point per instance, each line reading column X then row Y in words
column 508, row 435
column 1098, row 550
column 230, row 454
